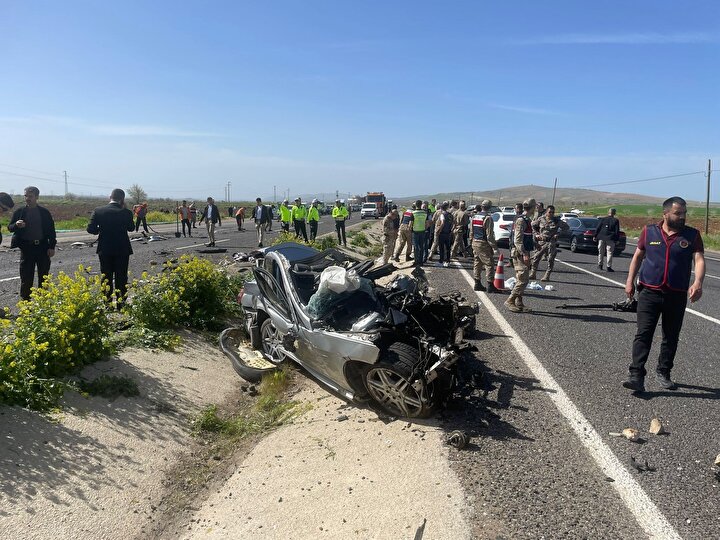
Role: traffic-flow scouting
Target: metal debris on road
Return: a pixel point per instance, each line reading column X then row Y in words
column 457, row 439
column 630, row 434
column 656, row 427
column 641, row 467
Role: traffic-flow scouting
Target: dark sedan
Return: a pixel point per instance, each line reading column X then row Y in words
column 579, row 237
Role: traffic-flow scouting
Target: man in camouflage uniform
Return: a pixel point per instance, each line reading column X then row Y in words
column 391, row 225
column 482, row 230
column 522, row 247
column 462, row 218
column 435, row 231
column 546, row 228
column 405, row 235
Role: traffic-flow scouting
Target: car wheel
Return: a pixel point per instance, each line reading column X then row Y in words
column 271, row 340
column 574, row 244
column 390, row 386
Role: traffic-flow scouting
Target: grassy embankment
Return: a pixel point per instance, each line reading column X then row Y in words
column 634, row 216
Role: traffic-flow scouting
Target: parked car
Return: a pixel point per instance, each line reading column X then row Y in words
column 566, row 215
column 392, row 345
column 579, row 236
column 369, row 210
column 507, row 209
column 503, row 226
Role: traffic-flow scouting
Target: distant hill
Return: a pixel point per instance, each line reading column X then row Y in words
column 564, row 197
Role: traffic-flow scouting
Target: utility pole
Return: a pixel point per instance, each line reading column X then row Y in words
column 554, row 188
column 707, row 199
column 274, row 194
column 66, row 189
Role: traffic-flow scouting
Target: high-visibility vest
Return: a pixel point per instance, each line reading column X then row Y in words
column 313, row 214
column 339, row 213
column 299, row 212
column 432, row 208
column 419, row 219
column 285, row 213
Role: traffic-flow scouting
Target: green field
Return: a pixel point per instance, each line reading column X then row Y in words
column 645, row 210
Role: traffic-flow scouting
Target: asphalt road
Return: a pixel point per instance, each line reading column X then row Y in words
column 542, row 462
column 67, row 258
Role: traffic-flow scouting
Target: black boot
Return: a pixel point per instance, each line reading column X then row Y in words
column 492, row 288
column 479, row 286
column 635, row 383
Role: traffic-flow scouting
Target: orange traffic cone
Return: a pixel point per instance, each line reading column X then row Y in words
column 499, row 280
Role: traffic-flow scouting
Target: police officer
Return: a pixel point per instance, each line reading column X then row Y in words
column 405, row 235
column 419, row 223
column 391, row 226
column 299, row 215
column 340, row 215
column 522, row 247
column 546, row 228
column 313, row 218
column 483, row 245
column 666, row 252
column 285, row 216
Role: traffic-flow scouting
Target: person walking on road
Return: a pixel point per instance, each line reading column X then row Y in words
column 184, row 214
column 313, row 219
column 546, row 228
column 405, row 235
column 299, row 215
column 285, row 216
column 261, row 215
column 140, row 211
column 240, row 217
column 391, row 225
column 445, row 224
column 606, row 234
column 664, row 258
column 433, row 232
column 33, row 231
column 193, row 215
column 6, row 204
column 340, row 215
column 112, row 223
column 483, row 246
column 211, row 215
column 522, row 248
column 459, row 232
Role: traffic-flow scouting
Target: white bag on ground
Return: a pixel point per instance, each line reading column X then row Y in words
column 510, row 283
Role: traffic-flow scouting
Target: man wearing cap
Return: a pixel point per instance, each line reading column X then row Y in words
column 33, row 231
column 391, row 226
column 340, row 214
column 285, row 216
column 405, row 235
column 546, row 227
column 482, row 229
column 606, row 234
column 419, row 222
column 299, row 215
column 313, row 219
column 522, row 248
column 6, row 204
column 460, row 227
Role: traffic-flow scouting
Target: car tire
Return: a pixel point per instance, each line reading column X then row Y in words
column 269, row 341
column 388, row 383
column 229, row 340
column 574, row 244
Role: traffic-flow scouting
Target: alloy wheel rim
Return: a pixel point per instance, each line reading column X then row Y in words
column 393, row 392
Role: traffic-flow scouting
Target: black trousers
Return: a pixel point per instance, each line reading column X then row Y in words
column 652, row 305
column 32, row 256
column 313, row 230
column 285, row 226
column 340, row 230
column 114, row 269
column 300, row 229
column 140, row 220
column 444, row 247
column 186, row 223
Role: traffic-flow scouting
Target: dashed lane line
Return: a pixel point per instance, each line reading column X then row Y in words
column 202, row 244
column 9, row 278
column 687, row 309
column 648, row 516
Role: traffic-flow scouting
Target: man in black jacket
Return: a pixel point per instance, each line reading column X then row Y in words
column 211, row 215
column 261, row 216
column 606, row 234
column 112, row 222
column 33, row 231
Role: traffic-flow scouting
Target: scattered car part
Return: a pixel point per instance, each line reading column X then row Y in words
column 631, row 434
column 641, row 467
column 656, row 427
column 457, row 439
column 628, row 306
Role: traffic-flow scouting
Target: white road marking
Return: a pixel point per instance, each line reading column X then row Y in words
column 202, row 244
column 648, row 516
column 9, row 278
column 689, row 310
column 706, row 256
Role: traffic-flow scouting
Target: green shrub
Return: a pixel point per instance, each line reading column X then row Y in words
column 62, row 327
column 159, row 217
column 360, row 240
column 190, row 292
column 375, row 250
column 321, row 243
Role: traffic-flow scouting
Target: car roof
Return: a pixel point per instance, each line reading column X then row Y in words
column 293, row 251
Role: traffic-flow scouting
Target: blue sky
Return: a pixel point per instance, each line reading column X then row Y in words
column 407, row 97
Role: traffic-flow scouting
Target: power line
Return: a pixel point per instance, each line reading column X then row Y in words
column 641, row 180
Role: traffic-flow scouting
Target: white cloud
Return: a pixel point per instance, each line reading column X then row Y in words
column 525, row 110
column 635, row 38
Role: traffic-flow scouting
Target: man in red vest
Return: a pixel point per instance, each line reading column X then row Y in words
column 666, row 251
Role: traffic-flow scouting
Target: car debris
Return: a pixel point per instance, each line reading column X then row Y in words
column 717, row 460
column 394, row 345
column 457, row 439
column 628, row 306
column 631, row 434
column 156, row 238
column 656, row 427
column 78, row 245
column 641, row 467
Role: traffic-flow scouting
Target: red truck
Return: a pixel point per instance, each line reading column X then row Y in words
column 375, row 205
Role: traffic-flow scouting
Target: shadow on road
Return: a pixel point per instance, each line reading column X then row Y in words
column 703, row 392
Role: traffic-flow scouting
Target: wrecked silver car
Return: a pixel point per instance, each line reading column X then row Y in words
column 393, row 346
